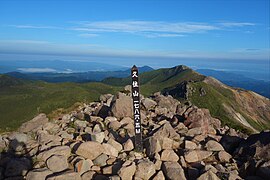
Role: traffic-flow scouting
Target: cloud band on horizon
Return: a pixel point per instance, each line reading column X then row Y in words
column 43, row 48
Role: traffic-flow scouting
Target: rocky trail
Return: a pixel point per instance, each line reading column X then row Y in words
column 96, row 140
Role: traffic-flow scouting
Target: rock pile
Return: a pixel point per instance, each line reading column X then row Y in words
column 95, row 141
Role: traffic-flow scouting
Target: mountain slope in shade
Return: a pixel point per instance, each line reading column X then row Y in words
column 7, row 81
column 235, row 107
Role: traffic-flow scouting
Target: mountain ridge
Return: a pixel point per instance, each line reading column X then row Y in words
column 194, row 85
column 237, row 80
column 232, row 106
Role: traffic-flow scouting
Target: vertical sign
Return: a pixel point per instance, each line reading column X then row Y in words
column 136, row 108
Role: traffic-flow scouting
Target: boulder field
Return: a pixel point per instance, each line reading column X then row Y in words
column 96, row 141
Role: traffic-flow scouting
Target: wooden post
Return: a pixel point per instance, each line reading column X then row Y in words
column 136, row 109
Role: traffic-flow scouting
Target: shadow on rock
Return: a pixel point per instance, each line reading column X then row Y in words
column 254, row 155
column 15, row 160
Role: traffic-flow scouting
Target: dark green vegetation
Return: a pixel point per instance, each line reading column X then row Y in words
column 7, row 81
column 22, row 100
column 160, row 79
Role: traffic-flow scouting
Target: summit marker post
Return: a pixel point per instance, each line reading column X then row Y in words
column 136, row 108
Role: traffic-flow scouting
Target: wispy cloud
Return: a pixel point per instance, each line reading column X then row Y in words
column 149, row 29
column 146, row 28
column 161, row 35
column 236, row 24
column 23, row 41
column 88, row 35
column 153, row 29
column 249, row 32
column 251, row 50
column 34, row 27
column 36, row 70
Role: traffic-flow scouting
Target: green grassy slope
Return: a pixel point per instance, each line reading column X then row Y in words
column 169, row 79
column 157, row 80
column 213, row 101
column 21, row 102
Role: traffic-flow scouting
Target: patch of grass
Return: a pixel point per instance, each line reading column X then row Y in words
column 214, row 100
column 61, row 111
column 20, row 103
column 254, row 124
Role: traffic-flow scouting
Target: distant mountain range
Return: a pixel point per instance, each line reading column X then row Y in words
column 21, row 99
column 76, row 77
column 240, row 81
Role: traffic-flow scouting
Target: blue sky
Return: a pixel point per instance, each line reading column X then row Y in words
column 152, row 30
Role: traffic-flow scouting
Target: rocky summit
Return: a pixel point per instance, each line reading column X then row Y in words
column 96, row 141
